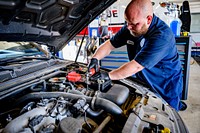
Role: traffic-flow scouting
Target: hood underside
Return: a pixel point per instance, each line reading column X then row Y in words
column 54, row 22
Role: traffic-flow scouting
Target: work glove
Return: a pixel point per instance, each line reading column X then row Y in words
column 101, row 76
column 94, row 63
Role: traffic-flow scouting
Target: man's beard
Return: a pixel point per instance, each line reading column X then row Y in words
column 143, row 31
column 134, row 34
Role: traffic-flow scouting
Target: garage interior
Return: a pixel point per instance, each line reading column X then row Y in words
column 80, row 49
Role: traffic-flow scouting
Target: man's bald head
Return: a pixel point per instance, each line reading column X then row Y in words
column 139, row 7
column 139, row 15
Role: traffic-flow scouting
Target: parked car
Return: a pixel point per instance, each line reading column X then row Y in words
column 42, row 93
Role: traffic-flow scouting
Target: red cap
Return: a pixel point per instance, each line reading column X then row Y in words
column 73, row 76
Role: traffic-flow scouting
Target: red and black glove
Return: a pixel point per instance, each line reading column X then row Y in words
column 94, row 63
column 101, row 76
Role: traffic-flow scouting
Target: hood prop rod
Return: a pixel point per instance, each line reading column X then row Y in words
column 80, row 46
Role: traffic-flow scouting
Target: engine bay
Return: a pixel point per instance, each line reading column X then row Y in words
column 67, row 100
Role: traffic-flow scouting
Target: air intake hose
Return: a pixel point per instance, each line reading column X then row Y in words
column 100, row 103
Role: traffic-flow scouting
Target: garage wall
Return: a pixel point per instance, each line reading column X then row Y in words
column 195, row 29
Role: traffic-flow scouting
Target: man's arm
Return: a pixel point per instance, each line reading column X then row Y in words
column 103, row 50
column 126, row 70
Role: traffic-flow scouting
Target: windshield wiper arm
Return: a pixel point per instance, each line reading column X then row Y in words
column 10, row 69
column 38, row 58
column 21, row 58
column 10, row 59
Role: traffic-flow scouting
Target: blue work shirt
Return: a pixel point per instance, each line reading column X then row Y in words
column 157, row 52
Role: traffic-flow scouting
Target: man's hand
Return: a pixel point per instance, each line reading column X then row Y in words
column 101, row 76
column 94, row 63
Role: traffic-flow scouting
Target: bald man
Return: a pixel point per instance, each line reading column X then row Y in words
column 152, row 53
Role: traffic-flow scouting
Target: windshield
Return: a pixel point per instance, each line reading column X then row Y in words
column 18, row 49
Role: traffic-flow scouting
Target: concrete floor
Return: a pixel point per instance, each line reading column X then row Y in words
column 191, row 116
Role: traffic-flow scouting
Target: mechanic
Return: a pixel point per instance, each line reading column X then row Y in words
column 152, row 53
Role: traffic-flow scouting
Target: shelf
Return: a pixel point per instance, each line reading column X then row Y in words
column 184, row 50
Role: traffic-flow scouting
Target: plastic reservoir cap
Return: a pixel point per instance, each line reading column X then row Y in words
column 73, row 76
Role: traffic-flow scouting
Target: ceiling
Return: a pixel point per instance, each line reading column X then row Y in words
column 194, row 5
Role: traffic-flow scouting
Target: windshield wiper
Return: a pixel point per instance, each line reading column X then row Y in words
column 37, row 58
column 7, row 60
column 21, row 58
column 3, row 69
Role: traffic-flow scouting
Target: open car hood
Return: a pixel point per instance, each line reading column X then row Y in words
column 50, row 21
